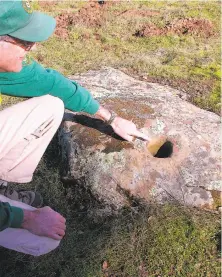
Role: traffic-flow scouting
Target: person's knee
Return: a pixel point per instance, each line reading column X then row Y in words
column 44, row 248
column 55, row 103
column 55, row 106
column 21, row 240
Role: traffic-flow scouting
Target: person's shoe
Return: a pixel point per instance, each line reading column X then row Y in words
column 31, row 198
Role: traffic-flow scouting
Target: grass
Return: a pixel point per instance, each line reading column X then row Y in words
column 144, row 240
column 188, row 62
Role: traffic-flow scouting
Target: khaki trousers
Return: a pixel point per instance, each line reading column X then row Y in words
column 25, row 132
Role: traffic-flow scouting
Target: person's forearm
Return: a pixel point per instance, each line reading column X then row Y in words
column 4, row 215
column 10, row 216
column 34, row 80
column 28, row 216
column 122, row 127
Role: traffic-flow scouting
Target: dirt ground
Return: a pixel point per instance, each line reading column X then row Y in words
column 196, row 27
column 91, row 15
column 94, row 15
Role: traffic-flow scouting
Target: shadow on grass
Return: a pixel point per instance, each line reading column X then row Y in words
column 141, row 240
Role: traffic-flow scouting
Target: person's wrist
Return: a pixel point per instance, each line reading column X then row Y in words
column 102, row 113
column 112, row 118
column 108, row 116
column 28, row 216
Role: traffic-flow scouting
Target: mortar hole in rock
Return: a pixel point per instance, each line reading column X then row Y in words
column 165, row 151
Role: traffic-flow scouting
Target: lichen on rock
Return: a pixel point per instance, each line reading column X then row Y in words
column 115, row 170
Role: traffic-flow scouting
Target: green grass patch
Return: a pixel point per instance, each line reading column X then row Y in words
column 144, row 240
column 191, row 58
column 211, row 101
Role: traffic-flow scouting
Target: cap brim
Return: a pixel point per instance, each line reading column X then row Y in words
column 39, row 28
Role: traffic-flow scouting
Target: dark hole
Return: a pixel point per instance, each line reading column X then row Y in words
column 165, row 150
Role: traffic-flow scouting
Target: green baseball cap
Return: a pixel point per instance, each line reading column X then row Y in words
column 18, row 20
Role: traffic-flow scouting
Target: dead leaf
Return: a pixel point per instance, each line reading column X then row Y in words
column 105, row 265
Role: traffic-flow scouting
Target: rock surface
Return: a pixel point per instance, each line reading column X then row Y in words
column 115, row 171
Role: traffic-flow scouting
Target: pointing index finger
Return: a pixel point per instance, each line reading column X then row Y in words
column 139, row 134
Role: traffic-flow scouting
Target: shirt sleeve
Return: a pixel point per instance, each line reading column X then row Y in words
column 10, row 216
column 34, row 80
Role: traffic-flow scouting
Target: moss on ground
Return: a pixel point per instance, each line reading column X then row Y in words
column 141, row 241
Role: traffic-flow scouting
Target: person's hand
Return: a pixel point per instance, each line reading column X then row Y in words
column 127, row 129
column 122, row 127
column 44, row 222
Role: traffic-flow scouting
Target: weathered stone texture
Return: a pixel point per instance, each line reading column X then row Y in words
column 114, row 169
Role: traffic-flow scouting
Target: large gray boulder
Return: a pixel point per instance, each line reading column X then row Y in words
column 116, row 171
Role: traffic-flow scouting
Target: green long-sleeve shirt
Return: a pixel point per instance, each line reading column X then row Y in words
column 10, row 216
column 34, row 80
